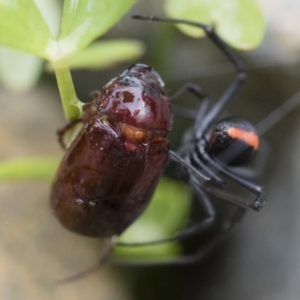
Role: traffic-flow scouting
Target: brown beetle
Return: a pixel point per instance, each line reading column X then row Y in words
column 112, row 168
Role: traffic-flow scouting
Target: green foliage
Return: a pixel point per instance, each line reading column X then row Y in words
column 33, row 31
column 60, row 36
column 19, row 70
column 239, row 22
column 104, row 54
column 24, row 28
column 83, row 21
column 28, row 168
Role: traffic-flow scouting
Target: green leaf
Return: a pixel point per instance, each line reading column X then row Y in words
column 104, row 54
column 28, row 168
column 239, row 22
column 51, row 10
column 19, row 71
column 23, row 27
column 85, row 20
column 167, row 213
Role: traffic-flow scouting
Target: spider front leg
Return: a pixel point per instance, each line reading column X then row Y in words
column 256, row 189
column 236, row 62
column 201, row 253
column 197, row 92
column 197, row 228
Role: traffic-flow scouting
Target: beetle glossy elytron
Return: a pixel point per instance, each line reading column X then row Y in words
column 110, row 171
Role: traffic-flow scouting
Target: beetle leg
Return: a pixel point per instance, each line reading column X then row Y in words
column 62, row 131
column 95, row 93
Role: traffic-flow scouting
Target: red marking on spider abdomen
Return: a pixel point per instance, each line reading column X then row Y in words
column 249, row 137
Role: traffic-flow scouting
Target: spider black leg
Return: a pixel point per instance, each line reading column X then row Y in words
column 192, row 258
column 259, row 191
column 207, row 247
column 198, row 228
column 196, row 91
column 214, row 179
column 233, row 87
column 238, row 65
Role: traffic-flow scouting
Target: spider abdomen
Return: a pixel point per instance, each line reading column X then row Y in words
column 233, row 141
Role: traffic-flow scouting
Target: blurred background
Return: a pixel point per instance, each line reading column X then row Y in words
column 260, row 259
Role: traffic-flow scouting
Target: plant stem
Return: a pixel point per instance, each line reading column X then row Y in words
column 71, row 104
